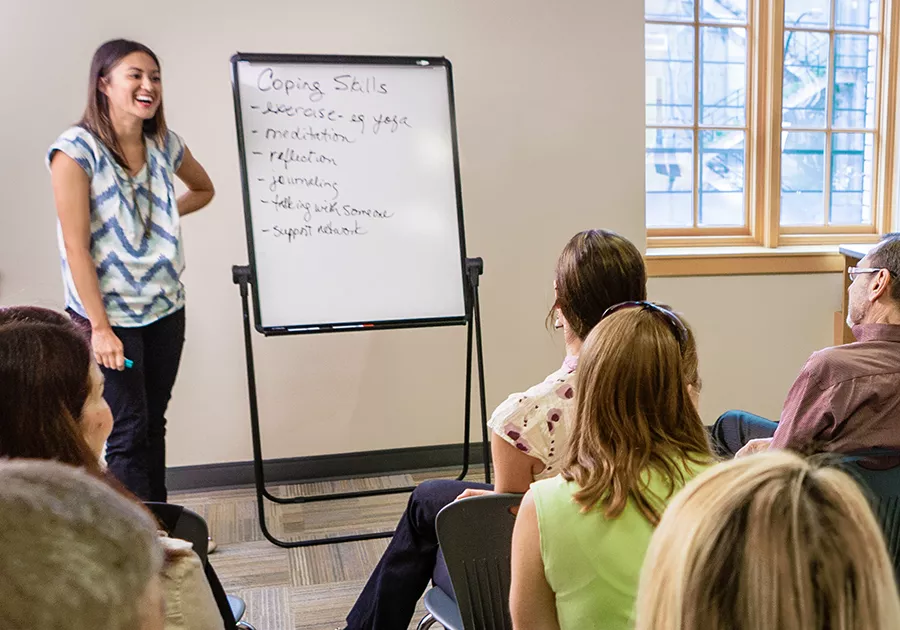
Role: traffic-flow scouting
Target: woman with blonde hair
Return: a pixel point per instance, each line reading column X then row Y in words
column 580, row 537
column 768, row 541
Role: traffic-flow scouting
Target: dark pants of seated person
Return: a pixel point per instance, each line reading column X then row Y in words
column 735, row 428
column 388, row 600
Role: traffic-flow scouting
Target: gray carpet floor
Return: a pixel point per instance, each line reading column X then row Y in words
column 305, row 588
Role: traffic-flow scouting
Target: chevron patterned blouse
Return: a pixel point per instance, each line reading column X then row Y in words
column 139, row 263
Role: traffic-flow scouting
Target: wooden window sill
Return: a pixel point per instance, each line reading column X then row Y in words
column 736, row 261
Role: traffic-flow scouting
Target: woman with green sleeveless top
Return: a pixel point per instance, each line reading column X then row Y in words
column 580, row 538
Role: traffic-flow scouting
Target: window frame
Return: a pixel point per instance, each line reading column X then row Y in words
column 763, row 124
column 697, row 128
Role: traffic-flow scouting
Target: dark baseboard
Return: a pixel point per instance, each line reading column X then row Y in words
column 297, row 469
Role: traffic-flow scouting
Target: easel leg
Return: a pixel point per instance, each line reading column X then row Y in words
column 474, row 270
column 485, row 441
column 241, row 277
column 467, row 414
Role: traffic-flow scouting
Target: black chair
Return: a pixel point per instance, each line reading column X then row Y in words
column 476, row 538
column 180, row 522
column 878, row 471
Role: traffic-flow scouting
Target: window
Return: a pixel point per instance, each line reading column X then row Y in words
column 753, row 142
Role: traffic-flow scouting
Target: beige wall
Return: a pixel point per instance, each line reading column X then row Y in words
column 549, row 108
column 754, row 333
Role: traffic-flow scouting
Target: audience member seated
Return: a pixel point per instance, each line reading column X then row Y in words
column 52, row 408
column 596, row 269
column 74, row 553
column 768, row 541
column 847, row 398
column 580, row 537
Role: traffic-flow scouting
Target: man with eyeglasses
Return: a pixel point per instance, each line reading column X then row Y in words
column 847, row 398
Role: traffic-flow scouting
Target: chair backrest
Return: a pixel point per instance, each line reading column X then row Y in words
column 476, row 537
column 180, row 522
column 878, row 471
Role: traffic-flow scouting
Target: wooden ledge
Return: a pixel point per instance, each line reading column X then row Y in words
column 739, row 261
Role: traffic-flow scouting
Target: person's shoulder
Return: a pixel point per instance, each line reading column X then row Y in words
column 695, row 464
column 829, row 355
column 175, row 546
column 80, row 145
column 558, row 384
column 172, row 137
column 554, row 390
column 80, row 136
column 172, row 145
column 549, row 483
column 829, row 366
column 552, row 491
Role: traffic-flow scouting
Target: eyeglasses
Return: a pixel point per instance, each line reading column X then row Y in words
column 855, row 272
column 677, row 326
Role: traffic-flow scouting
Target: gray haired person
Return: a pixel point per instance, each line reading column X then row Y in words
column 74, row 553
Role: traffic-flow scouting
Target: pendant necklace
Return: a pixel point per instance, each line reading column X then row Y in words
column 147, row 222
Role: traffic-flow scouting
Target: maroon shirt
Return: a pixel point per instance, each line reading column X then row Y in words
column 847, row 397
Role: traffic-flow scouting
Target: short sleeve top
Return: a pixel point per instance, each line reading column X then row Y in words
column 139, row 273
column 537, row 421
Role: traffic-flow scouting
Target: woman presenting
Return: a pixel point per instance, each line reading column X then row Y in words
column 120, row 246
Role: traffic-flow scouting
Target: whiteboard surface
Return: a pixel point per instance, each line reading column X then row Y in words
column 353, row 213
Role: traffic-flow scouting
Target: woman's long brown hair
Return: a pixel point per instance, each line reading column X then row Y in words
column 45, row 365
column 633, row 414
column 96, row 117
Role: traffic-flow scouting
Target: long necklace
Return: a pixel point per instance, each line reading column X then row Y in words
column 147, row 222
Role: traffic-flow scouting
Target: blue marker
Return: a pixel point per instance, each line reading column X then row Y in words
column 129, row 363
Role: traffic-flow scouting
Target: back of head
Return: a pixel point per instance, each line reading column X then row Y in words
column 45, row 365
column 634, row 412
column 886, row 255
column 74, row 553
column 768, row 541
column 597, row 269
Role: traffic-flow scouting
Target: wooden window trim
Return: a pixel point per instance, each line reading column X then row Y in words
column 765, row 37
column 743, row 260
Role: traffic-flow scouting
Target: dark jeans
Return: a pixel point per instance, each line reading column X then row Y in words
column 138, row 397
column 735, row 428
column 388, row 600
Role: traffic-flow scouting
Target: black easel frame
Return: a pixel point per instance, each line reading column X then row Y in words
column 245, row 276
column 474, row 268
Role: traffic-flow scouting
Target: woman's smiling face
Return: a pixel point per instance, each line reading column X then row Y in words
column 133, row 86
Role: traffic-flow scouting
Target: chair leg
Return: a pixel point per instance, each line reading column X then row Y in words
column 426, row 622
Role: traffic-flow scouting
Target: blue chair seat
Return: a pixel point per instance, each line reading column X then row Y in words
column 237, row 606
column 443, row 609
